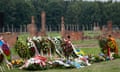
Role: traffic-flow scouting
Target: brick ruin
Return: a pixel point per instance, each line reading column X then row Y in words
column 75, row 35
column 10, row 38
column 43, row 23
column 31, row 28
column 109, row 30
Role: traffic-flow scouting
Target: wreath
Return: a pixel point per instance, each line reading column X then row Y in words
column 58, row 45
column 111, row 44
column 45, row 46
column 6, row 49
column 31, row 49
column 68, row 49
column 52, row 46
column 37, row 44
column 21, row 49
column 103, row 45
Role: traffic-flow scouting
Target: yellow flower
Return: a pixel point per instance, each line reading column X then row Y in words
column 13, row 62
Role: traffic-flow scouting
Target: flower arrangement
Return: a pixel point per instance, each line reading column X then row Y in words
column 58, row 46
column 37, row 44
column 103, row 45
column 22, row 49
column 25, row 49
column 52, row 46
column 6, row 49
column 112, row 45
column 35, row 63
column 31, row 49
column 17, row 62
column 68, row 49
column 47, row 46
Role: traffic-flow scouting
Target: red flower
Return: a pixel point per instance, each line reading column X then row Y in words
column 6, row 49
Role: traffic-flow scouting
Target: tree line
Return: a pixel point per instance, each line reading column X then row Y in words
column 19, row 12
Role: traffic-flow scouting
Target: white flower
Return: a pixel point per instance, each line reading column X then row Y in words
column 39, row 38
column 28, row 44
column 34, row 38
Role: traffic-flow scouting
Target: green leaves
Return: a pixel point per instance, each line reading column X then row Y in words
column 19, row 12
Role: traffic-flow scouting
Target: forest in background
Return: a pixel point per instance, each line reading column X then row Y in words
column 19, row 12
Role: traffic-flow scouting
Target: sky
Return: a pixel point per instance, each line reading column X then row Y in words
column 102, row 0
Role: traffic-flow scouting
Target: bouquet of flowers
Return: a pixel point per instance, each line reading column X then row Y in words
column 17, row 62
column 35, row 63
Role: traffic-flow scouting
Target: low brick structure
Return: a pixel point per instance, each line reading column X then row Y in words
column 10, row 38
column 74, row 35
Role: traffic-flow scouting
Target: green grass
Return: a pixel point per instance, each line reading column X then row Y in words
column 93, row 51
column 92, row 33
column 85, row 42
column 23, row 36
column 53, row 34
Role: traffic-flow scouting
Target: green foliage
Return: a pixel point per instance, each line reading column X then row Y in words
column 16, row 12
column 19, row 12
column 103, row 45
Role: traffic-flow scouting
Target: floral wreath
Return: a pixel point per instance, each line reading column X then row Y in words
column 111, row 44
column 21, row 49
column 46, row 45
column 4, row 50
column 103, row 45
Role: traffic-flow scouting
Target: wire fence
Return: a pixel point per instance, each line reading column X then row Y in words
column 50, row 28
